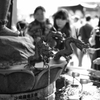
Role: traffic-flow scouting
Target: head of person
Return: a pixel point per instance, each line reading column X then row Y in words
column 39, row 14
column 76, row 18
column 61, row 18
column 20, row 25
column 88, row 18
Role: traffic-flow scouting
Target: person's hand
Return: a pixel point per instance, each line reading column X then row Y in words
column 97, row 61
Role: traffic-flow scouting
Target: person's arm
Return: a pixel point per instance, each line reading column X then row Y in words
column 92, row 50
column 34, row 30
column 92, row 38
column 30, row 30
column 81, row 31
column 97, row 61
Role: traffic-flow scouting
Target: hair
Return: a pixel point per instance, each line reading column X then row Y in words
column 20, row 25
column 76, row 18
column 39, row 8
column 62, row 14
column 88, row 18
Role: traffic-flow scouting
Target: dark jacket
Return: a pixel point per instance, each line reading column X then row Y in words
column 37, row 29
column 85, row 32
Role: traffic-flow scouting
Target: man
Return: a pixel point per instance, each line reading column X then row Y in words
column 85, row 30
column 84, row 35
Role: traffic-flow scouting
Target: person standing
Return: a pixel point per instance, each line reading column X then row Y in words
column 38, row 27
column 84, row 35
column 61, row 24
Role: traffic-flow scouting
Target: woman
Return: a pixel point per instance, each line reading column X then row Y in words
column 62, row 25
column 38, row 27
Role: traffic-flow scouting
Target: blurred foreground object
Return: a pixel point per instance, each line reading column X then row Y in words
column 4, row 8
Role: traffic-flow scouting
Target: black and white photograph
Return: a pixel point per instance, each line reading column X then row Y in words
column 49, row 50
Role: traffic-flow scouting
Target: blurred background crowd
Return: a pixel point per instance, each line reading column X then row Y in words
column 82, row 19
